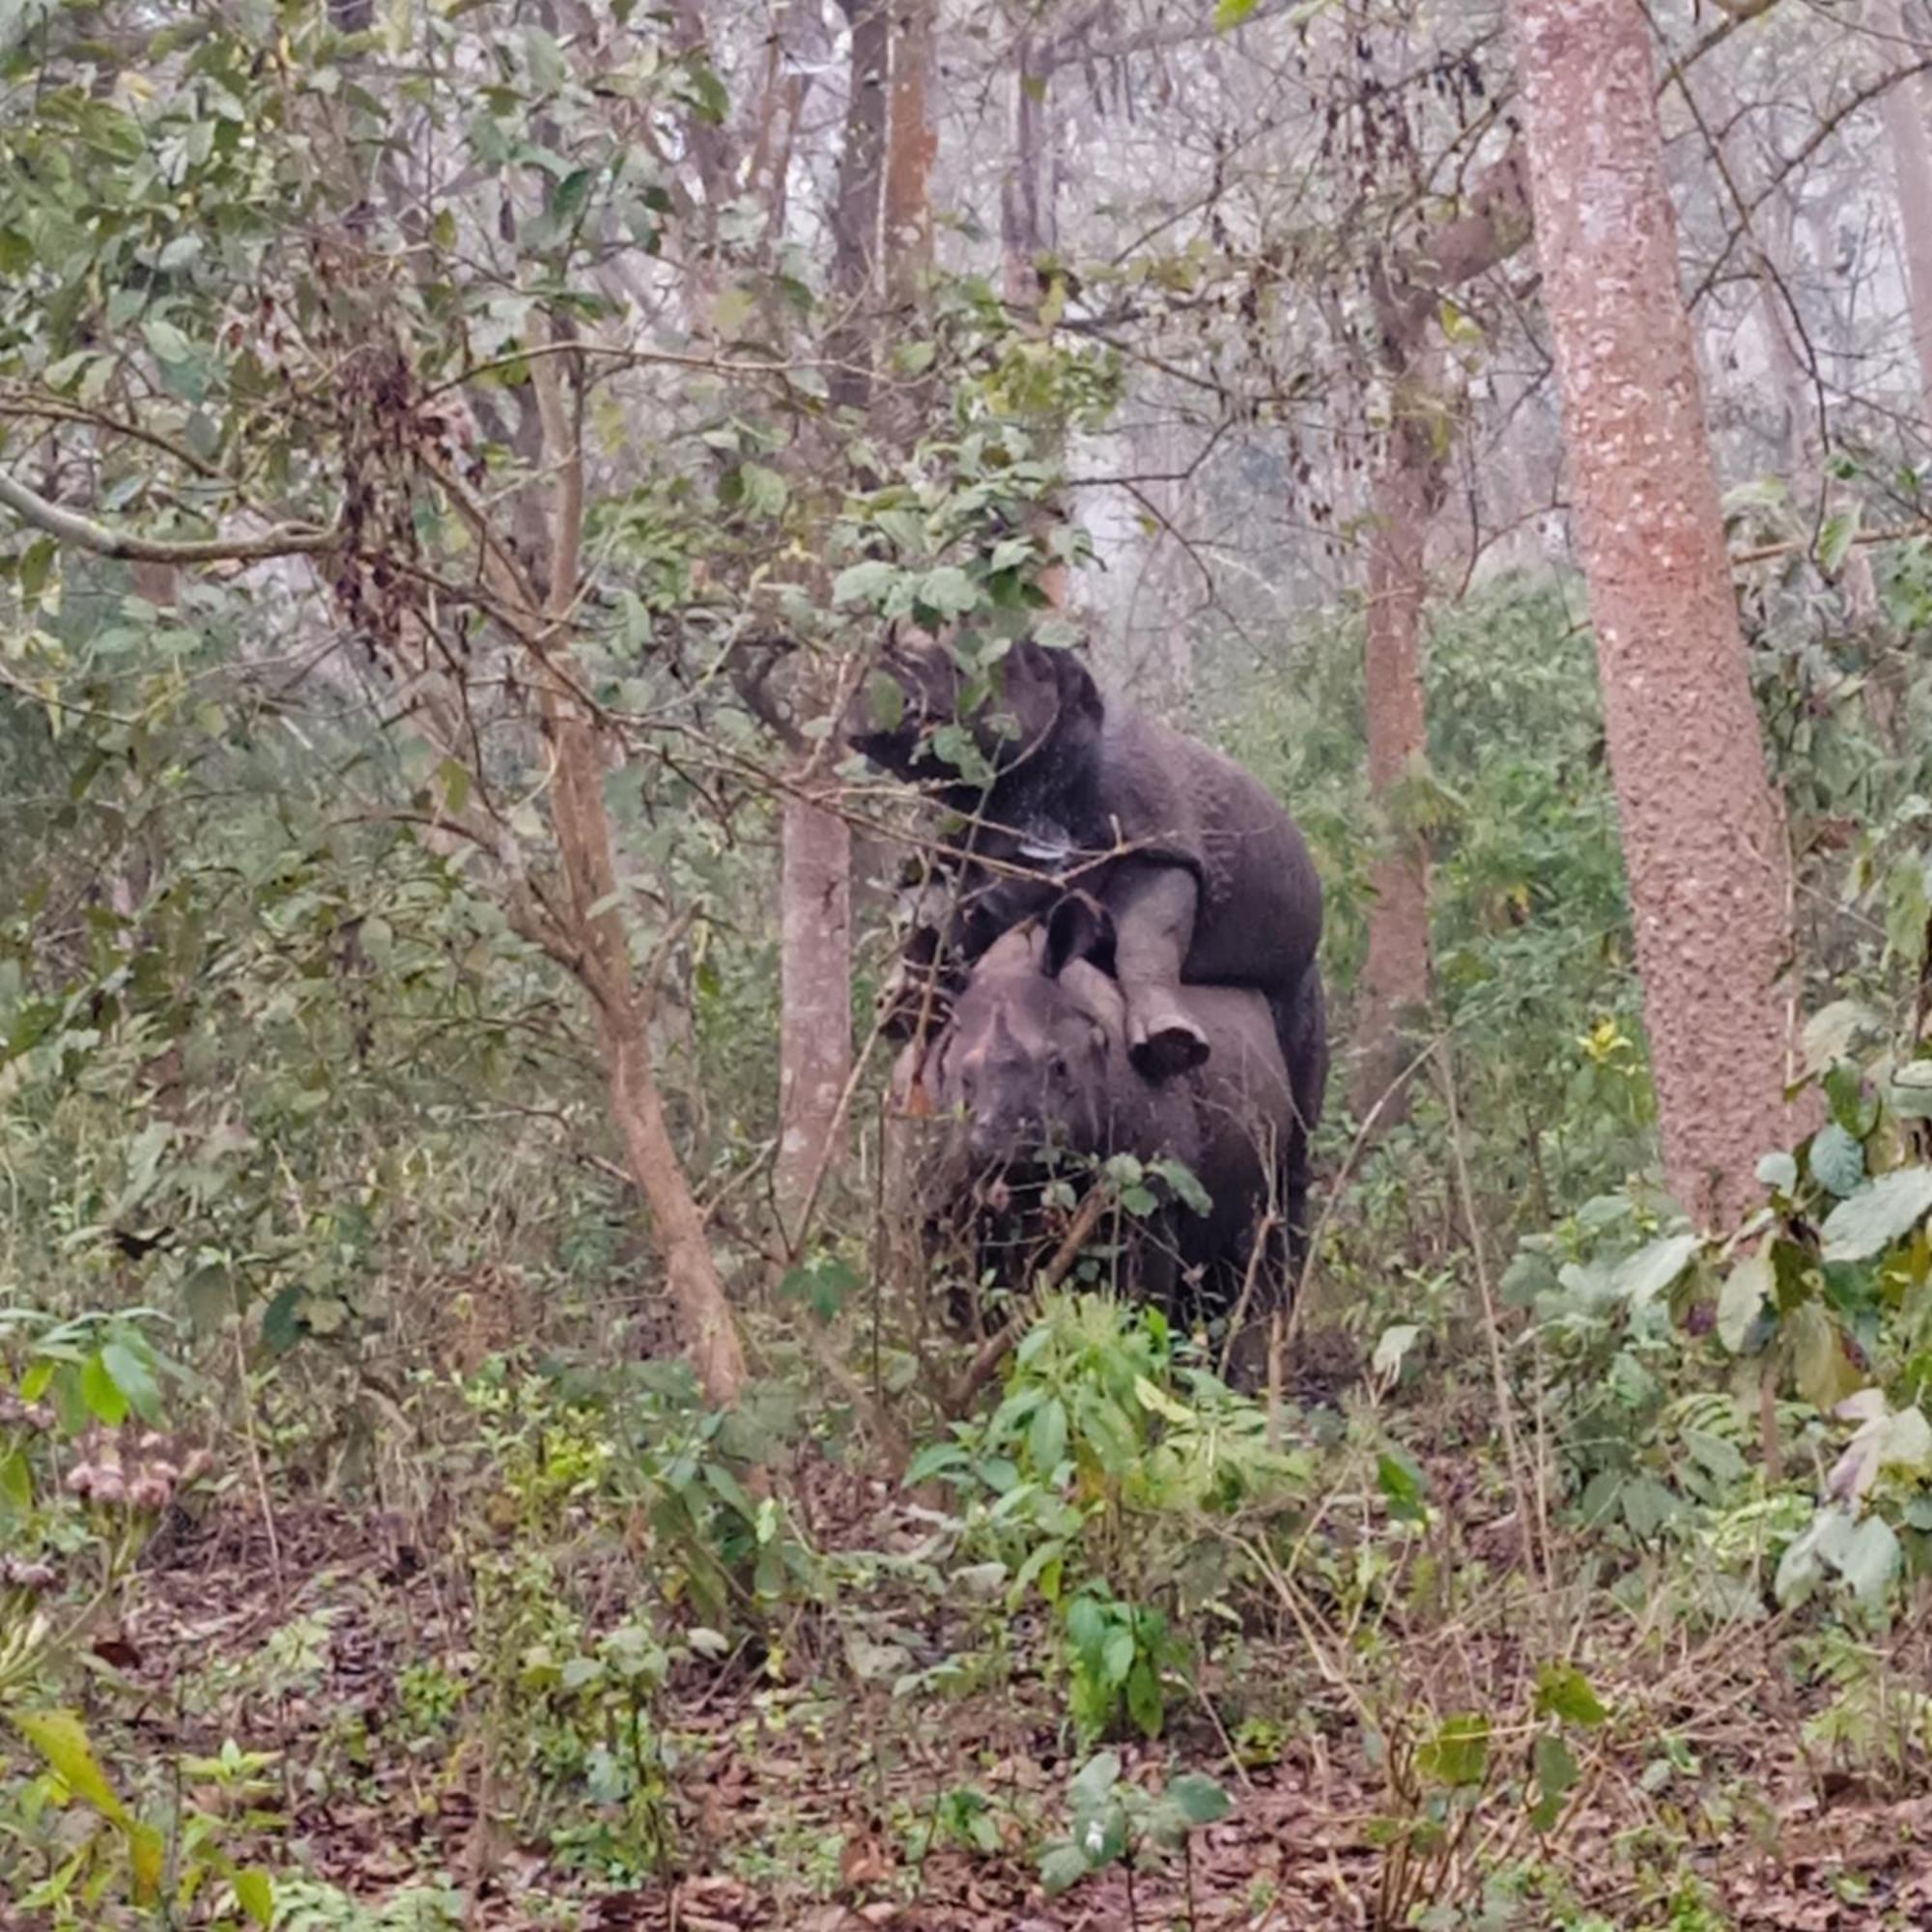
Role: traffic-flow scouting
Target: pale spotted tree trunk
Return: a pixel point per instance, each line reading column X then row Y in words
column 1703, row 835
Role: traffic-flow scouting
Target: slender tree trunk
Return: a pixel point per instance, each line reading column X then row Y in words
column 593, row 927
column 1905, row 125
column 1704, row 838
column 1405, row 498
column 1409, row 487
column 815, row 843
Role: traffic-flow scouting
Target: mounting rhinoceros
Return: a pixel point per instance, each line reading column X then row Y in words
column 1033, row 1055
column 1208, row 880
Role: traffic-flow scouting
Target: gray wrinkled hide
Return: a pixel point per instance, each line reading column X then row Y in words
column 1027, row 1056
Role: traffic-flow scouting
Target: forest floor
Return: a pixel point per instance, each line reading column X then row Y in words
column 799, row 1808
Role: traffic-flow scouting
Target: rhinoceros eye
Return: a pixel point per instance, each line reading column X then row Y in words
column 1059, row 1067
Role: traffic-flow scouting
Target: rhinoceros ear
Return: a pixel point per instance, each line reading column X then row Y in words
column 1078, row 928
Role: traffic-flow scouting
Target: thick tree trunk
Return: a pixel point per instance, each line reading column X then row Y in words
column 1405, row 500
column 1704, row 838
column 1905, row 125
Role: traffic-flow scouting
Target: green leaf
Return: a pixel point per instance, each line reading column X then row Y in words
column 1837, row 1160
column 1156, row 1400
column 1060, row 1867
column 1745, row 1294
column 1199, row 1798
column 1830, row 1030
column 1556, row 1772
column 1117, row 1656
column 1653, row 1268
column 948, row 591
column 1647, row 1505
column 1047, row 1439
column 1871, row 1560
column 167, row 342
column 1403, row 1483
column 1094, row 1784
column 1878, row 1215
column 62, row 1741
column 1819, row 1365
column 255, row 1894
column 1779, row 1172
column 1562, row 1690
column 1392, row 1349
column 101, row 1393
column 1229, row 13
column 864, row 582
column 1834, row 539
column 1187, row 1188
column 1457, row 1755
column 1146, row 1705
column 934, row 1460
column 147, row 1860
column 134, row 1379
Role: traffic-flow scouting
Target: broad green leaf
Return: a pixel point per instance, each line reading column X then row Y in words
column 1229, row 13
column 167, row 342
column 1457, row 1755
column 62, row 1741
column 1145, row 1703
column 934, row 1460
column 864, row 583
column 1062, row 1866
column 1746, row 1293
column 1151, row 1396
column 1653, row 1268
column 1046, row 1439
column 1824, row 1374
column 1821, row 1541
column 1779, row 1171
column 1094, row 1784
column 1832, row 1029
column 101, row 1393
column 1647, row 1505
column 1834, row 539
column 1562, row 1690
column 146, row 1861
column 1837, row 1160
column 949, row 591
column 1392, row 1349
column 1403, row 1483
column 1870, row 1560
column 255, row 1894
column 1117, row 1654
column 1197, row 1797
column 1876, row 1216
column 134, row 1379
column 1556, row 1772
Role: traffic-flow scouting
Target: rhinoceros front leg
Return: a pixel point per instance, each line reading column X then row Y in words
column 1154, row 908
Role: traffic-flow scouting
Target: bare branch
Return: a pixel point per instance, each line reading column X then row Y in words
column 70, row 526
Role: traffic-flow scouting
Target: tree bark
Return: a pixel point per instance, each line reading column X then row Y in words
column 593, row 927
column 815, row 843
column 1407, row 495
column 1904, row 109
column 1703, row 835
